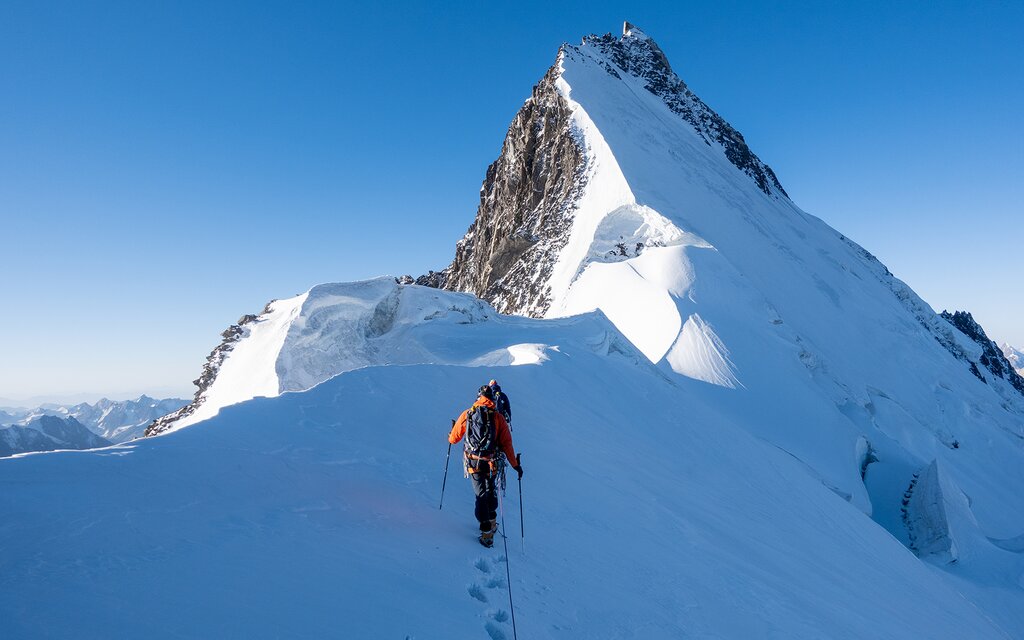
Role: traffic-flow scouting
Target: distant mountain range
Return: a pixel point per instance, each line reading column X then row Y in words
column 48, row 433
column 112, row 420
column 1015, row 356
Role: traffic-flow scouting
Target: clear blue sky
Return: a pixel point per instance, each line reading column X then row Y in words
column 167, row 167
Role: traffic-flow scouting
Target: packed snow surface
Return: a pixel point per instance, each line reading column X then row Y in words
column 315, row 514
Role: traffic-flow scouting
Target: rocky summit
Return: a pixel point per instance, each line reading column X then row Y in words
column 531, row 191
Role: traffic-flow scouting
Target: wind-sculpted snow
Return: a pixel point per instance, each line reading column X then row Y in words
column 699, row 354
column 315, row 514
column 303, row 341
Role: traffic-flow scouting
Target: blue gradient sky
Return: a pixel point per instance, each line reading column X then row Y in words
column 167, row 167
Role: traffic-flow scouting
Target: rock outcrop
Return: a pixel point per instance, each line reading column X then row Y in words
column 992, row 357
column 525, row 206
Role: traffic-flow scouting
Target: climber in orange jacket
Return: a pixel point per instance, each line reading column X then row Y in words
column 487, row 437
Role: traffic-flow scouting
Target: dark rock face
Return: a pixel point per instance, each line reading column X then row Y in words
column 530, row 192
column 231, row 335
column 435, row 279
column 992, row 357
column 526, row 204
column 640, row 56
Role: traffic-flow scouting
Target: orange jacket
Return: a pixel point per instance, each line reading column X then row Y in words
column 501, row 430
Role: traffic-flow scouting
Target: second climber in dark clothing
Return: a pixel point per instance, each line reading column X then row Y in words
column 501, row 401
column 487, row 437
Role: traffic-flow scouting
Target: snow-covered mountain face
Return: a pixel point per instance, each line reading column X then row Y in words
column 47, row 433
column 113, row 420
column 712, row 391
column 617, row 187
column 691, row 247
column 1015, row 357
column 555, row 170
column 10, row 415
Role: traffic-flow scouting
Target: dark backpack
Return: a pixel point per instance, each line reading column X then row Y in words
column 481, row 434
column 502, row 405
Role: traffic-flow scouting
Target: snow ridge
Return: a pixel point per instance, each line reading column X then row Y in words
column 638, row 55
column 991, row 357
column 300, row 342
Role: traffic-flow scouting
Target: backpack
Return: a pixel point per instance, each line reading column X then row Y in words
column 501, row 403
column 481, row 433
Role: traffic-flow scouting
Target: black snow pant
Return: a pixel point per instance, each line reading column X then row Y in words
column 486, row 499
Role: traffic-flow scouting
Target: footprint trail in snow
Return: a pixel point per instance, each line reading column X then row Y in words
column 487, row 579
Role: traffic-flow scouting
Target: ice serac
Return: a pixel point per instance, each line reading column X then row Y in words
column 300, row 342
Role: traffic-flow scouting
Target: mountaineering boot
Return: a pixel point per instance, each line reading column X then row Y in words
column 487, row 530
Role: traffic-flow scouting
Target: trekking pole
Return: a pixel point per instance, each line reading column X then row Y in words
column 522, row 533
column 445, row 481
column 508, row 576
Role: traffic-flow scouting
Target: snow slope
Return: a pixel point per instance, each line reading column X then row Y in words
column 314, row 514
column 797, row 333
